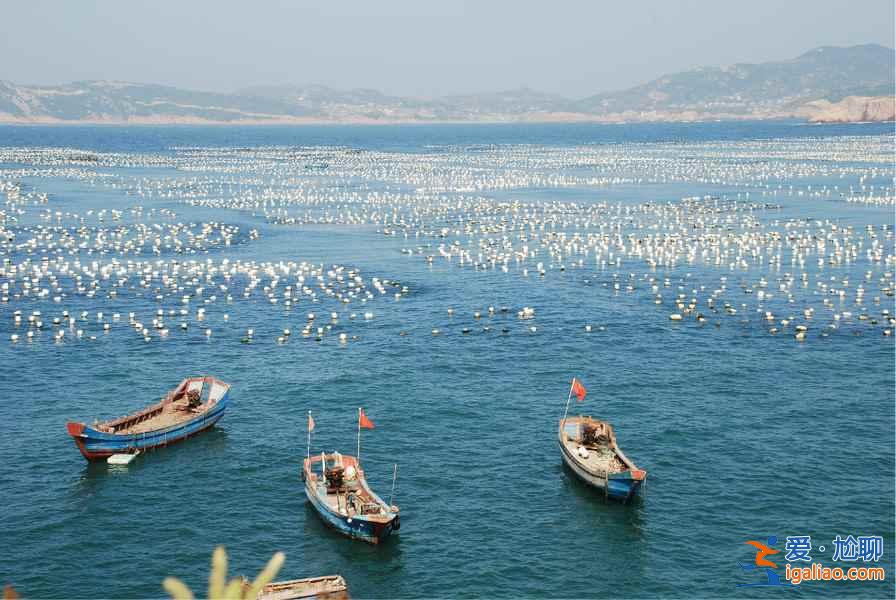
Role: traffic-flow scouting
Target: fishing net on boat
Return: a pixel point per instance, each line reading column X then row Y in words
column 604, row 459
column 594, row 435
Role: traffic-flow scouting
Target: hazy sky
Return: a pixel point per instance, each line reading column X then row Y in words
column 416, row 47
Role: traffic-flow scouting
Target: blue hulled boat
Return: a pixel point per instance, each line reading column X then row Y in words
column 335, row 486
column 589, row 449
column 192, row 407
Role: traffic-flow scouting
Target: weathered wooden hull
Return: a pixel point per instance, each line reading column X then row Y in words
column 99, row 445
column 331, row 587
column 618, row 486
column 356, row 527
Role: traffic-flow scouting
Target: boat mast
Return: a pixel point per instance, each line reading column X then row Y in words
column 568, row 398
column 308, row 455
column 359, row 437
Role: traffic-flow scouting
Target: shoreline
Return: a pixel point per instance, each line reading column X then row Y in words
column 852, row 109
column 378, row 122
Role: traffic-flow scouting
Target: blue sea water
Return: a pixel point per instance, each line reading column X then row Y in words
column 744, row 434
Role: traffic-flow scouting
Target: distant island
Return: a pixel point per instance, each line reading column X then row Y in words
column 827, row 84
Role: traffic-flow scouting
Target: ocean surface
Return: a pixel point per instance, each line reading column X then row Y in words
column 746, row 432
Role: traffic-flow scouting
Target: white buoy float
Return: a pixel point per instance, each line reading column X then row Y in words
column 122, row 459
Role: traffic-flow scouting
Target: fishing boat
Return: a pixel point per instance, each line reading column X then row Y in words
column 336, row 487
column 192, row 407
column 588, row 447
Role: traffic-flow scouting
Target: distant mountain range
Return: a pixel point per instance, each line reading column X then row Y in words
column 827, row 83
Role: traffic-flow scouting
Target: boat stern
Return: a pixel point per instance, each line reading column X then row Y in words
column 382, row 531
column 626, row 485
column 80, row 434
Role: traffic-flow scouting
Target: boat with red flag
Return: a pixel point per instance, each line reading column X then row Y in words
column 191, row 408
column 337, row 489
column 588, row 447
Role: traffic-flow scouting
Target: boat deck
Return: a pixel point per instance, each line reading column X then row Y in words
column 171, row 414
column 337, row 501
column 601, row 458
column 334, row 501
column 171, row 410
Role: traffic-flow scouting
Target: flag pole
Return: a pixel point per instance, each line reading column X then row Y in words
column 359, row 436
column 568, row 398
column 309, row 435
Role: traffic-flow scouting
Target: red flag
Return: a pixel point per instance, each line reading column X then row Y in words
column 578, row 389
column 364, row 422
column 310, row 423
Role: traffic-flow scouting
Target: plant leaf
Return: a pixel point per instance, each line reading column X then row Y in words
column 233, row 591
column 267, row 575
column 217, row 579
column 177, row 588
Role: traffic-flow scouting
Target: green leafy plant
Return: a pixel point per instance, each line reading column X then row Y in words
column 218, row 586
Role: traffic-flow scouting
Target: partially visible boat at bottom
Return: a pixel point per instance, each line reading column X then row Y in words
column 328, row 587
column 589, row 449
column 336, row 487
column 192, row 407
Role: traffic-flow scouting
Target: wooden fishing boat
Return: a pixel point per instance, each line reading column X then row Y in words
column 589, row 449
column 192, row 407
column 328, row 587
column 336, row 487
